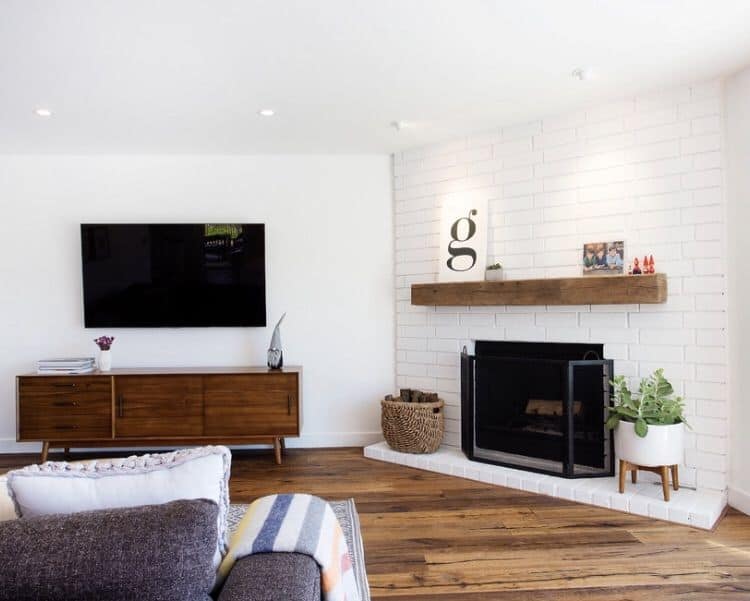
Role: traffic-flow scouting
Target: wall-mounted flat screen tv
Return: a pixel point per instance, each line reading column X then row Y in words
column 173, row 275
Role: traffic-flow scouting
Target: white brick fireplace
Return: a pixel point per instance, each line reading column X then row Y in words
column 647, row 170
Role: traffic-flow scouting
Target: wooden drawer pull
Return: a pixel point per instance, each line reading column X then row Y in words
column 65, row 404
column 66, row 385
column 120, row 402
column 64, row 427
column 289, row 404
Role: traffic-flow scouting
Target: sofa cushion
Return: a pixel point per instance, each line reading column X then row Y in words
column 157, row 552
column 62, row 487
column 273, row 577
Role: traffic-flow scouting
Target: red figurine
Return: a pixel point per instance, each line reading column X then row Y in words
column 651, row 268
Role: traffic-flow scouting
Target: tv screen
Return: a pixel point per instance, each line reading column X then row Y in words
column 173, row 275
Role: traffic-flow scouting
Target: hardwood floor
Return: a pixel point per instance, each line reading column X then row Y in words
column 439, row 538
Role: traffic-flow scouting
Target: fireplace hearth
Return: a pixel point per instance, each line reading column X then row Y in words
column 537, row 406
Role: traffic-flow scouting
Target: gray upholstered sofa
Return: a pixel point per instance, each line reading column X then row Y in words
column 157, row 552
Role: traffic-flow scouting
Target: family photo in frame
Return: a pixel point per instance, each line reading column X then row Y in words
column 603, row 258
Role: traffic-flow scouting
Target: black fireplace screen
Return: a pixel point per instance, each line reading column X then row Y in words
column 538, row 406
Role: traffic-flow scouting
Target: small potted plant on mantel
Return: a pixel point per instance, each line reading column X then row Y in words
column 649, row 426
column 494, row 272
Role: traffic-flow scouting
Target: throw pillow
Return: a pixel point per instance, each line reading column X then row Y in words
column 62, row 487
column 152, row 553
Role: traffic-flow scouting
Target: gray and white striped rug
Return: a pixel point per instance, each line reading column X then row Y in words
column 346, row 512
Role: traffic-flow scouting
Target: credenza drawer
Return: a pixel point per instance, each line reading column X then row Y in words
column 68, row 417
column 56, row 386
column 64, row 407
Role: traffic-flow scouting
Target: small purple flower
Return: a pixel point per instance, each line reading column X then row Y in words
column 104, row 342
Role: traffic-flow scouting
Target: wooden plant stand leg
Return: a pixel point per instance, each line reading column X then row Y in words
column 634, row 475
column 664, row 473
column 675, row 477
column 45, row 451
column 623, row 471
column 283, row 444
column 277, row 450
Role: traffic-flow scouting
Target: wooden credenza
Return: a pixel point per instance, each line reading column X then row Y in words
column 160, row 407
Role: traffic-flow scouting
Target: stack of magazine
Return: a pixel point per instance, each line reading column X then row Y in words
column 77, row 365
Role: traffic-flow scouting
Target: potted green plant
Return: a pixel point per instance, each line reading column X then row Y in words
column 650, row 423
column 494, row 272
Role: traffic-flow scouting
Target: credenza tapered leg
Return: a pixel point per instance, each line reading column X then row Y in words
column 45, row 451
column 277, row 450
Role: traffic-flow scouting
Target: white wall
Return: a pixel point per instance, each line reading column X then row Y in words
column 738, row 184
column 329, row 253
column 647, row 170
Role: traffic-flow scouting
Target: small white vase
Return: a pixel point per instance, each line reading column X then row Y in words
column 662, row 445
column 493, row 275
column 105, row 360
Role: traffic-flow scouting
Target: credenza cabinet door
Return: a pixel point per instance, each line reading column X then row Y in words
column 256, row 405
column 159, row 406
column 61, row 408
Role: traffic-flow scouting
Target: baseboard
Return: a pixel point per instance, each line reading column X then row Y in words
column 739, row 499
column 334, row 439
column 306, row 441
column 9, row 445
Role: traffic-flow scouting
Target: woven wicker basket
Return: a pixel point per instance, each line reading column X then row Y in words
column 412, row 427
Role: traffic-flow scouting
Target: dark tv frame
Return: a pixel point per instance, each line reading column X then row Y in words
column 87, row 321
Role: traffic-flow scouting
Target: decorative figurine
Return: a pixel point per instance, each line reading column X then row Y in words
column 275, row 354
column 651, row 268
column 636, row 267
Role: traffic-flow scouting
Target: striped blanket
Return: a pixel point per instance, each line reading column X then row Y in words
column 296, row 524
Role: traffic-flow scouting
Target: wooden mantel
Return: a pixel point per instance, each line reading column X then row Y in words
column 590, row 290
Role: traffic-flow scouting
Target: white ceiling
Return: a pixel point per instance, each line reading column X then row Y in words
column 188, row 76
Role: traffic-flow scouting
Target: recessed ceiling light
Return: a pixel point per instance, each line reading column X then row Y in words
column 399, row 125
column 266, row 112
column 581, row 74
column 42, row 112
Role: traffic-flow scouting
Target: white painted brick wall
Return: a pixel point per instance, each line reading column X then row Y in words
column 648, row 170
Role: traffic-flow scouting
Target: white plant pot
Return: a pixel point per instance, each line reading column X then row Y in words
column 493, row 275
column 662, row 445
column 105, row 360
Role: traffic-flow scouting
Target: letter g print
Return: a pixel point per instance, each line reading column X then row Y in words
column 470, row 228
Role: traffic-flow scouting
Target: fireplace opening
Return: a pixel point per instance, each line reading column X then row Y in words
column 537, row 406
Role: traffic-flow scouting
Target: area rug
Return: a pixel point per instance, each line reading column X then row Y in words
column 347, row 515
